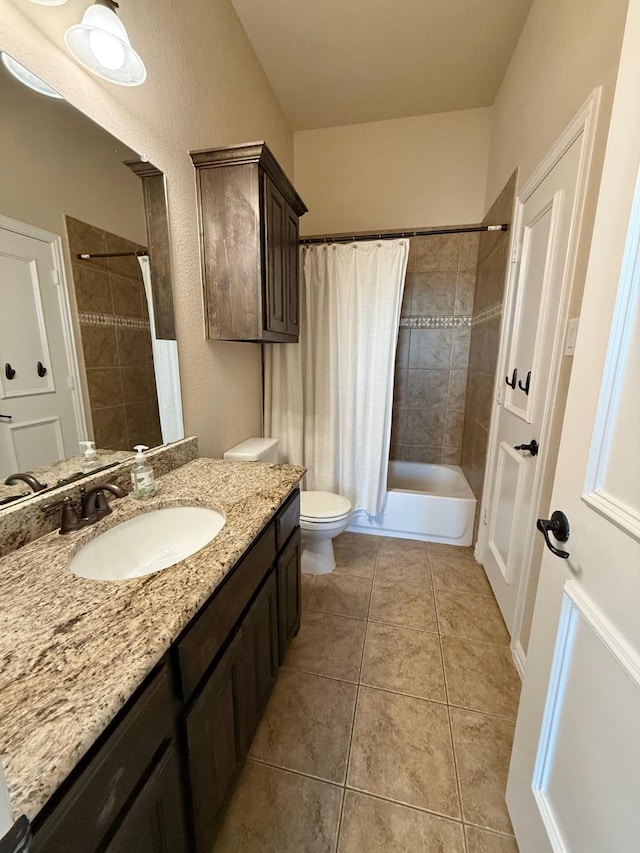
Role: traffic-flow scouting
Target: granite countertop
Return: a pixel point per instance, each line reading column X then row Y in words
column 73, row 650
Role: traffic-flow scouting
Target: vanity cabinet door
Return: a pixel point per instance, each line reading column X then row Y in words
column 155, row 821
column 216, row 740
column 289, row 593
column 260, row 633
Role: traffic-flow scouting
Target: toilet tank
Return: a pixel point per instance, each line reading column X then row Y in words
column 254, row 450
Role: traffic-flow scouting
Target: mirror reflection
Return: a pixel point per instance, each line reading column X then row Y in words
column 83, row 354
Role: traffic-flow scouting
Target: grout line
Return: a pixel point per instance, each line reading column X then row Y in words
column 339, row 826
column 455, row 767
column 296, row 772
column 417, row 808
column 319, row 674
column 498, row 832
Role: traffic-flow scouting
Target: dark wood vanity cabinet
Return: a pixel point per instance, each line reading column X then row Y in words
column 249, row 214
column 160, row 776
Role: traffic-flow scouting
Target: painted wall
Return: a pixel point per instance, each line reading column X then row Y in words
column 402, row 173
column 205, row 88
column 566, row 49
column 54, row 161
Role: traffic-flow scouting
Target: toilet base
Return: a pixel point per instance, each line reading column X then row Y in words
column 317, row 557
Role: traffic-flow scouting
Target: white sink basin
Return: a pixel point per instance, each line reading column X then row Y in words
column 147, row 543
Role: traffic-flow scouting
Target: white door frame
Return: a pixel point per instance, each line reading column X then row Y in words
column 584, row 123
column 57, row 255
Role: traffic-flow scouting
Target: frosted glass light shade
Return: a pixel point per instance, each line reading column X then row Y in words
column 100, row 43
column 28, row 77
column 49, row 2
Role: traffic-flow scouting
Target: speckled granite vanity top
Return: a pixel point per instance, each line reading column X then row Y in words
column 74, row 650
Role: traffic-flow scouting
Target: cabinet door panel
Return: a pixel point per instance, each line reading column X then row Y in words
column 275, row 316
column 155, row 821
column 288, row 568
column 292, row 271
column 216, row 741
column 260, row 633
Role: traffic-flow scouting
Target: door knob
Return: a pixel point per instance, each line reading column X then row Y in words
column 558, row 526
column 533, row 447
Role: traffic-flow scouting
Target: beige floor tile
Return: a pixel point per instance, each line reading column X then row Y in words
column 307, row 725
column 456, row 569
column 355, row 554
column 483, row 749
column 403, row 660
column 401, row 750
column 404, row 561
column 328, row 645
column 273, row 811
column 400, row 604
column 481, row 841
column 481, row 677
column 344, row 595
column 377, row 826
column 473, row 617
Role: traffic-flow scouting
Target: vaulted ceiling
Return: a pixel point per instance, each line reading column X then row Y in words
column 332, row 62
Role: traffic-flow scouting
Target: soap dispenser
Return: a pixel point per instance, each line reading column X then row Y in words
column 142, row 478
column 90, row 461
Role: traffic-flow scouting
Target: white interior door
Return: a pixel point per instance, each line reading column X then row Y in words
column 536, row 319
column 574, row 781
column 38, row 400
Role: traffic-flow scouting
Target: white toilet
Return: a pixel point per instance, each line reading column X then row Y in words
column 323, row 515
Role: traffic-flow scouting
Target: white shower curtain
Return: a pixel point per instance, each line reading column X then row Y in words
column 165, row 368
column 328, row 399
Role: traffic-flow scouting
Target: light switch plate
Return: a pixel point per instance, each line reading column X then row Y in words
column 572, row 334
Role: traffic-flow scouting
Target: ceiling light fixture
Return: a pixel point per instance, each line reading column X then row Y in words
column 28, row 77
column 49, row 2
column 100, row 43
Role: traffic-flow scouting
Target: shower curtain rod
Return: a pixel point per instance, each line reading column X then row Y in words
column 85, row 256
column 391, row 235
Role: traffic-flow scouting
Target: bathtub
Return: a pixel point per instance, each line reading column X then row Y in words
column 433, row 503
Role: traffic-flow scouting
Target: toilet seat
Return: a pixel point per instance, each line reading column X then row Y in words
column 323, row 507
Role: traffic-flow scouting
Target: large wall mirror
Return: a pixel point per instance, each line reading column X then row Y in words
column 87, row 340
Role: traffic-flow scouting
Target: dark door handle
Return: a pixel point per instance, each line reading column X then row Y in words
column 9, row 372
column 42, row 370
column 533, row 447
column 558, row 526
column 525, row 387
column 514, row 376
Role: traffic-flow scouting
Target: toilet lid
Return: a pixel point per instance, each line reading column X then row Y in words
column 323, row 506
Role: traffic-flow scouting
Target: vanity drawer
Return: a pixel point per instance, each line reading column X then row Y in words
column 206, row 637
column 288, row 519
column 85, row 812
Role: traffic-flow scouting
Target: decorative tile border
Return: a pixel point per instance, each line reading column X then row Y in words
column 435, row 322
column 488, row 314
column 111, row 320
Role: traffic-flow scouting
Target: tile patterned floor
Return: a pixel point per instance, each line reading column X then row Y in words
column 390, row 727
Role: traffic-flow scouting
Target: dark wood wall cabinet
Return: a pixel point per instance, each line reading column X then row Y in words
column 160, row 776
column 249, row 234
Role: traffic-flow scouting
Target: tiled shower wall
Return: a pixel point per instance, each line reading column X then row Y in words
column 493, row 264
column 116, row 339
column 433, row 349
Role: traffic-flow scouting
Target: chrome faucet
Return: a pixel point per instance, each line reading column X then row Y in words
column 93, row 507
column 34, row 485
